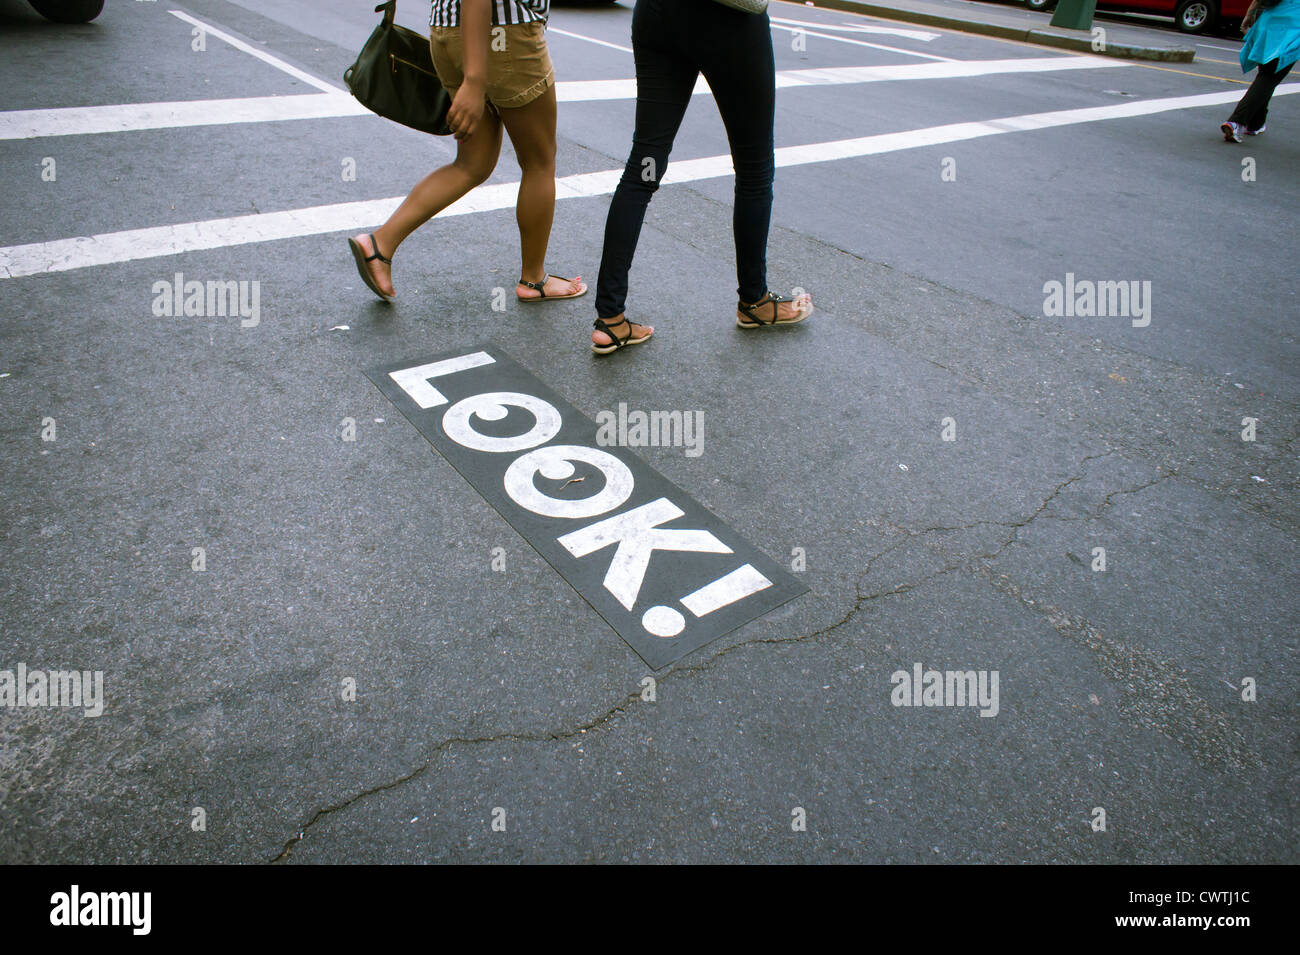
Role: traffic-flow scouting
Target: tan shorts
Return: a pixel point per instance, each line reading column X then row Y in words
column 516, row 75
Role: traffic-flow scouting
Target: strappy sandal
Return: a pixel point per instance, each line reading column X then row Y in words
column 616, row 342
column 540, row 288
column 359, row 254
column 757, row 321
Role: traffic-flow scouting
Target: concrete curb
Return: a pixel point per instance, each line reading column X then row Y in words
column 1054, row 37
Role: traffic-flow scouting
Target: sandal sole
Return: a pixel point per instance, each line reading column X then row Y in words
column 610, row 349
column 793, row 321
column 359, row 255
column 552, row 298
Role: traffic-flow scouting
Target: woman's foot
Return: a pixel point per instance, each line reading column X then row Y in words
column 1233, row 132
column 375, row 267
column 620, row 332
column 774, row 310
column 554, row 287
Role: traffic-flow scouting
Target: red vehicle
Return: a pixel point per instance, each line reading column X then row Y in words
column 1190, row 16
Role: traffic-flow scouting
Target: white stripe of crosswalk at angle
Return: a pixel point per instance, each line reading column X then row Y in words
column 262, row 55
column 949, row 69
column 85, row 251
column 775, row 26
column 861, row 28
column 589, row 39
column 332, row 101
column 874, row 46
column 586, row 90
column 81, row 120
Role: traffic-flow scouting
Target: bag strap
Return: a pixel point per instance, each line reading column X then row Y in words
column 390, row 10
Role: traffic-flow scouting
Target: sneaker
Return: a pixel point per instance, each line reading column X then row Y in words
column 1232, row 132
column 1257, row 132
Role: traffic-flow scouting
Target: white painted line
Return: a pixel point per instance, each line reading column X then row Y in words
column 1225, row 49
column 860, row 28
column 64, row 254
column 874, row 46
column 588, row 90
column 740, row 583
column 918, row 34
column 260, row 54
column 776, row 26
column 83, row 251
column 584, row 91
column 82, row 120
column 941, row 71
column 589, row 39
column 956, row 132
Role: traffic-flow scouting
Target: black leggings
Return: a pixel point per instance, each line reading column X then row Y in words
column 1253, row 108
column 673, row 42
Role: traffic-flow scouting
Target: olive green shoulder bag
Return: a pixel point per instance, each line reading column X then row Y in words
column 394, row 77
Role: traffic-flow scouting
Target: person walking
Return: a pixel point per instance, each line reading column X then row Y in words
column 673, row 42
column 1272, row 45
column 496, row 78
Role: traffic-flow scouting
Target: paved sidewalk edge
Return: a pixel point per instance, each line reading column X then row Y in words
column 1063, row 39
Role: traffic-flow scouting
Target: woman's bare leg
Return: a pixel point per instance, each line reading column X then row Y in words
column 532, row 132
column 476, row 157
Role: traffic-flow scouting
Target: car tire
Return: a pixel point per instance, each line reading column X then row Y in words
column 1040, row 4
column 68, row 11
column 1195, row 16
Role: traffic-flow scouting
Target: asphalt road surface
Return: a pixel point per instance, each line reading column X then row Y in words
column 937, row 455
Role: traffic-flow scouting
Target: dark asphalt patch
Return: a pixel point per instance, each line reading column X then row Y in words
column 660, row 568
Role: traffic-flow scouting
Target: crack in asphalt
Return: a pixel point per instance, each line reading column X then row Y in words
column 1209, row 739
column 1032, row 517
column 443, row 747
column 610, row 714
column 1153, row 693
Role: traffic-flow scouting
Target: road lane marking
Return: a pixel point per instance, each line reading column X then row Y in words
column 949, row 69
column 874, row 46
column 589, row 39
column 1204, row 76
column 574, row 91
column 863, row 28
column 801, row 28
column 607, row 539
column 78, row 120
column 83, row 120
column 85, row 251
column 1225, row 49
column 262, row 55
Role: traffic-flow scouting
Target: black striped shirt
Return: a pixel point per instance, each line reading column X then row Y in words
column 446, row 13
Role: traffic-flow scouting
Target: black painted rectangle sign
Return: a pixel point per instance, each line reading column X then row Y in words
column 658, row 566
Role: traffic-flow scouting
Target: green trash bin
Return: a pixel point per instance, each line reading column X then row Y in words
column 1074, row 14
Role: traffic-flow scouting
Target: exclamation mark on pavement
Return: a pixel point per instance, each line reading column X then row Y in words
column 742, row 582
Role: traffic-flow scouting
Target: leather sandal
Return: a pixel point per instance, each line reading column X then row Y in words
column 540, row 289
column 616, row 342
column 771, row 298
column 359, row 254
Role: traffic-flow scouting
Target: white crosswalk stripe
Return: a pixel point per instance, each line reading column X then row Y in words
column 911, row 34
column 82, row 252
column 84, row 120
column 151, row 242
